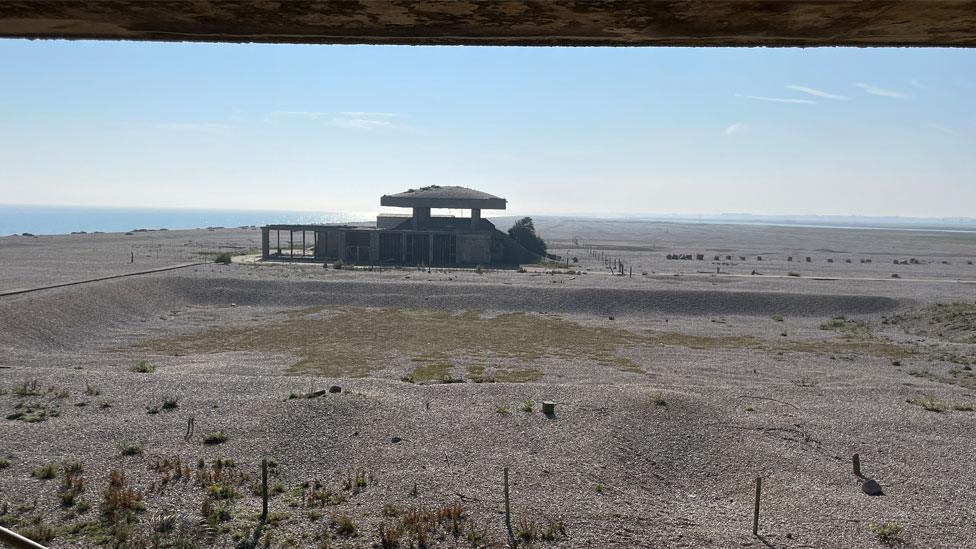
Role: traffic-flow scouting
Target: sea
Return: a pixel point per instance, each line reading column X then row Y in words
column 41, row 220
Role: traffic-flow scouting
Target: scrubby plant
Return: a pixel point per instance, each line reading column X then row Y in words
column 120, row 501
column 523, row 232
column 171, row 403
column 777, row 318
column 930, row 403
column 28, row 388
column 658, row 399
column 130, row 448
column 4, row 463
column 345, row 526
column 72, row 483
column 834, row 323
column 223, row 258
column 887, row 532
column 143, row 367
column 215, row 438
column 45, row 472
column 502, row 409
column 528, row 406
column 91, row 390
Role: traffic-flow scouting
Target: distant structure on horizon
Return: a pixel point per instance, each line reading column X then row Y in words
column 416, row 239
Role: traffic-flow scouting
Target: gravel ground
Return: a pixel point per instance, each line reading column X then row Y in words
column 666, row 457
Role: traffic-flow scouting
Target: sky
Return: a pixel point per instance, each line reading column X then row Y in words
column 582, row 131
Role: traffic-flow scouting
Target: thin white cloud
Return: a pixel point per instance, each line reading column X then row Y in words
column 738, row 127
column 918, row 84
column 943, row 129
column 199, row 127
column 353, row 120
column 818, row 93
column 779, row 99
column 881, row 92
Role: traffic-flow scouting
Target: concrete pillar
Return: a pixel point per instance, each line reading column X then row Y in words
column 475, row 217
column 265, row 243
column 420, row 217
column 341, row 252
column 374, row 247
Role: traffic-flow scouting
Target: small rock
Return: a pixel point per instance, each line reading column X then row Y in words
column 871, row 487
column 335, row 389
column 395, row 440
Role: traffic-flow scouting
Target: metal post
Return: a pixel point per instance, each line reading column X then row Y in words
column 857, row 465
column 264, row 489
column 17, row 541
column 508, row 515
column 755, row 514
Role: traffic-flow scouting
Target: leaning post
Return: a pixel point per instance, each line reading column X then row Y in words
column 755, row 514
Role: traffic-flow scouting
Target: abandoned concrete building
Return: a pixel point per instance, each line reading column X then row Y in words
column 416, row 239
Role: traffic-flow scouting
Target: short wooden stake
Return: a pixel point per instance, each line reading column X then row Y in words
column 508, row 515
column 264, row 490
column 755, row 514
column 856, row 459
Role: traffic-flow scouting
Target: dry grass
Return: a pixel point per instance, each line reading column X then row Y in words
column 351, row 343
column 355, row 342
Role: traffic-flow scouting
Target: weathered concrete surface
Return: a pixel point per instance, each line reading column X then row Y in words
column 504, row 22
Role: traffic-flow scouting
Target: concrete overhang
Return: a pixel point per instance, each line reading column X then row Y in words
column 503, row 22
column 445, row 203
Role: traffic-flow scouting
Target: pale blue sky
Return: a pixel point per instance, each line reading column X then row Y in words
column 580, row 130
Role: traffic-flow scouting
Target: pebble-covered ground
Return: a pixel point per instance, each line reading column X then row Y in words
column 673, row 391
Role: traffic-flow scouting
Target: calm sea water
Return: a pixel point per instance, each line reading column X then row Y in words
column 64, row 220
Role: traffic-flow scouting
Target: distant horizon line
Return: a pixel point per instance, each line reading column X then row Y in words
column 731, row 216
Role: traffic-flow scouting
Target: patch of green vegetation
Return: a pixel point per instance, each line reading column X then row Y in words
column 502, row 409
column 528, row 406
column 28, row 388
column 433, row 372
column 34, row 411
column 223, row 258
column 847, row 328
column 143, row 367
column 964, row 378
column 215, row 438
column 888, row 532
column 658, row 400
column 929, row 403
column 777, row 318
column 45, row 472
column 4, row 463
column 130, row 448
column 344, row 345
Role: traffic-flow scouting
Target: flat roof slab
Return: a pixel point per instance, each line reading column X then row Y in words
column 934, row 23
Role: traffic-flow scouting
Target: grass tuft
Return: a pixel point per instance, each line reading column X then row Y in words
column 143, row 367
column 215, row 438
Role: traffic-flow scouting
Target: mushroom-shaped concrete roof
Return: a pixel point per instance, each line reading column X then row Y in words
column 436, row 196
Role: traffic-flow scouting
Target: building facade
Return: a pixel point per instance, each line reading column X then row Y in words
column 416, row 239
